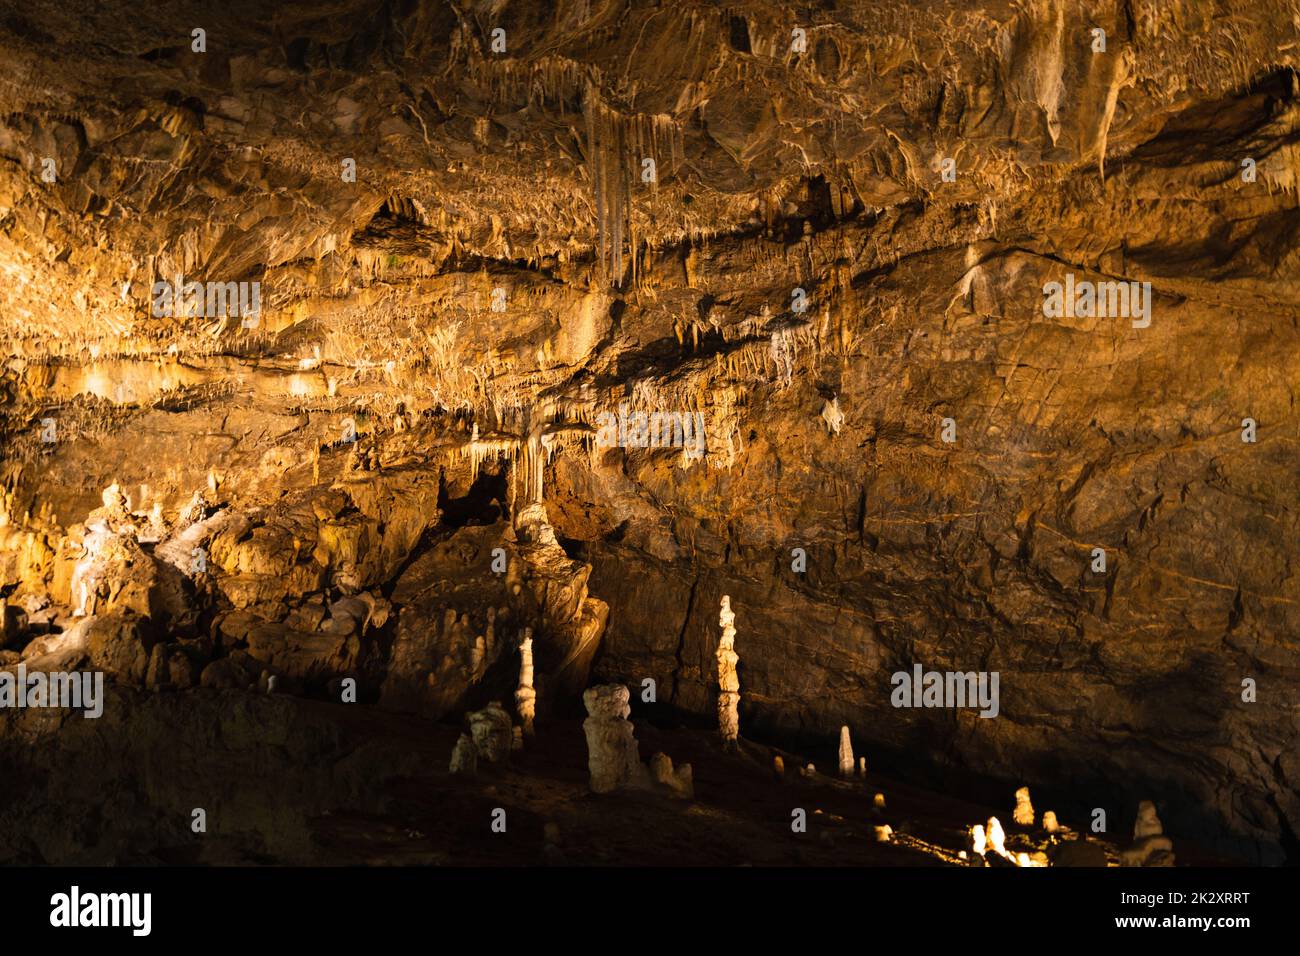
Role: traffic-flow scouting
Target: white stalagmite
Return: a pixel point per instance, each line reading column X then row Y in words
column 1150, row 846
column 1148, row 823
column 846, row 753
column 526, row 695
column 728, row 681
column 996, row 837
column 1024, row 811
column 491, row 732
column 833, row 416
column 612, row 756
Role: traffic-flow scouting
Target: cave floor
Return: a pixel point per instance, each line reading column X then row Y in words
column 741, row 814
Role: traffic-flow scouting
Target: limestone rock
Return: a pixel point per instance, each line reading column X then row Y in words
column 846, row 753
column 1024, row 811
column 612, row 755
column 170, row 666
column 728, row 681
column 492, row 732
column 117, row 644
column 526, row 694
column 679, row 782
column 1155, row 850
column 1147, row 823
column 464, row 757
column 1079, row 853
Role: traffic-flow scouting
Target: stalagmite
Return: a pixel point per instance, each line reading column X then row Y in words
column 978, row 844
column 478, row 655
column 833, row 416
column 1148, row 823
column 491, row 731
column 846, row 753
column 862, row 767
column 1024, row 811
column 526, row 695
column 728, row 680
column 1156, row 850
column 778, row 767
column 679, row 782
column 996, row 837
column 1150, row 846
column 612, row 757
column 1049, row 822
column 464, row 757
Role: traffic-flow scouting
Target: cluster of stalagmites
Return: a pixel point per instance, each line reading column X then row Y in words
column 613, row 758
column 986, row 844
column 492, row 735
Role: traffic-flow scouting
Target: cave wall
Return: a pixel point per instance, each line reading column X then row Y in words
column 778, row 169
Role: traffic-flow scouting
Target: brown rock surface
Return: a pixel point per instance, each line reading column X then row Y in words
column 383, row 427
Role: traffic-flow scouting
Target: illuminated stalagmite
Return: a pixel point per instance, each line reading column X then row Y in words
column 526, row 695
column 846, row 753
column 1024, row 811
column 996, row 836
column 796, row 283
column 612, row 756
column 1148, row 823
column 490, row 729
column 728, row 680
column 1150, row 846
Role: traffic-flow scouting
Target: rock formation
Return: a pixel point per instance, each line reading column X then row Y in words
column 728, row 679
column 612, row 756
column 846, row 753
column 997, row 838
column 1155, row 850
column 1147, row 823
column 526, row 695
column 679, row 782
column 464, row 757
column 491, row 731
column 832, row 317
column 1024, row 811
column 1150, row 846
